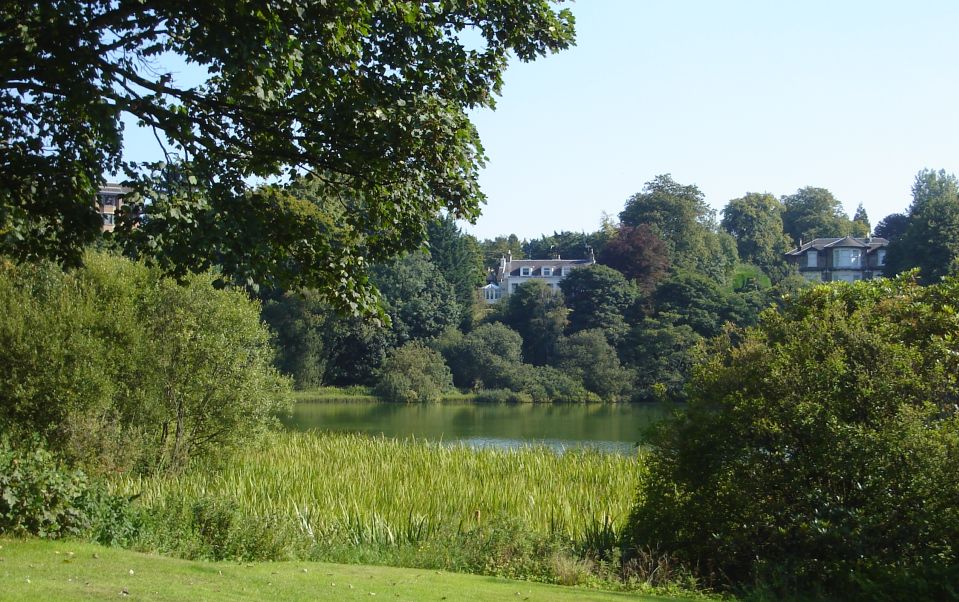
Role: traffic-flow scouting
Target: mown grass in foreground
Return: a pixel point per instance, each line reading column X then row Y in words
column 63, row 570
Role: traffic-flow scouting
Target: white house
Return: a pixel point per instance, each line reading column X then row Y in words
column 513, row 272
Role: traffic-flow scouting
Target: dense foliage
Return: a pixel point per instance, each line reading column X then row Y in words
column 817, row 453
column 930, row 238
column 667, row 278
column 413, row 373
column 119, row 367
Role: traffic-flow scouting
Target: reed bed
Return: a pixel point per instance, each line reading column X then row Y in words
column 360, row 489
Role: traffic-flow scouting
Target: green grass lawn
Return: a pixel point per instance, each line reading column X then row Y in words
column 35, row 569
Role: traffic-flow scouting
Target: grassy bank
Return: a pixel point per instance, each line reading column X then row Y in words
column 46, row 570
column 355, row 393
column 360, row 393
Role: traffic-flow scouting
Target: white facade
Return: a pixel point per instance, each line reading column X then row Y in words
column 512, row 273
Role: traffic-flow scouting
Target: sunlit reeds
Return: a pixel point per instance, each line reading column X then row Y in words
column 359, row 489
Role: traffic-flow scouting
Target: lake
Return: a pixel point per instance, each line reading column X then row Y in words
column 608, row 427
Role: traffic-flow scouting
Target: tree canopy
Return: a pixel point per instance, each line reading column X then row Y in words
column 371, row 97
column 931, row 238
column 679, row 215
column 756, row 221
column 892, row 226
column 813, row 213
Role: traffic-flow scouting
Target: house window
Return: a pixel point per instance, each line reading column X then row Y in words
column 109, row 200
column 107, row 218
column 547, row 271
column 882, row 257
column 812, row 258
column 525, row 271
column 512, row 287
column 847, row 258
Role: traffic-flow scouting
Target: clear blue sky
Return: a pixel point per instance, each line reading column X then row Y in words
column 733, row 96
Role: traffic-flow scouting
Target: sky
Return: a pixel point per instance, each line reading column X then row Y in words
column 734, row 97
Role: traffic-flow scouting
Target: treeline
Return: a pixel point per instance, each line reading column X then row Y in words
column 670, row 273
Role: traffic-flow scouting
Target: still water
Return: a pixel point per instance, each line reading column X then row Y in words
column 615, row 428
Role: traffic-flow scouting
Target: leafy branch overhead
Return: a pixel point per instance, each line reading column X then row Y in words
column 368, row 96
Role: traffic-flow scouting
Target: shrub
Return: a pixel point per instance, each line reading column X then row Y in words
column 818, row 450
column 119, row 367
column 41, row 496
column 413, row 373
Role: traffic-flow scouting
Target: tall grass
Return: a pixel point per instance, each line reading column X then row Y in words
column 354, row 489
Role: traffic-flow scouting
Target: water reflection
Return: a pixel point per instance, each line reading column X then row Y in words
column 607, row 427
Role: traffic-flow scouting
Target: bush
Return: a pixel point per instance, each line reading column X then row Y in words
column 119, row 367
column 414, row 373
column 818, row 451
column 41, row 496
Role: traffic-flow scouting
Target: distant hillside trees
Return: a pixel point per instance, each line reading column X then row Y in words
column 668, row 278
column 678, row 214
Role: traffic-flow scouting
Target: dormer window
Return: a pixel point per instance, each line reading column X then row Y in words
column 525, row 271
column 547, row 271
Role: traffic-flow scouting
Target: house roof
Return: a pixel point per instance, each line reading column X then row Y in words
column 545, row 263
column 536, row 265
column 819, row 244
column 113, row 189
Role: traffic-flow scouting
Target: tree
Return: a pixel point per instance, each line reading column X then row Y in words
column 892, row 226
column 678, row 214
column 370, row 97
column 458, row 257
column 931, row 239
column 538, row 314
column 316, row 345
column 496, row 248
column 821, row 469
column 598, row 297
column 299, row 320
column 413, row 373
column 755, row 221
column 638, row 253
column 420, row 302
column 860, row 222
column 814, row 213
column 587, row 356
column 698, row 302
column 567, row 245
column 487, row 357
column 661, row 352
